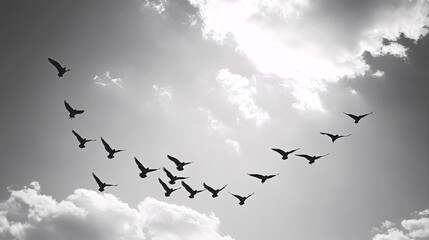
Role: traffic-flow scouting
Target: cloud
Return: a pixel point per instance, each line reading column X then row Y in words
column 163, row 92
column 215, row 124
column 311, row 43
column 106, row 80
column 378, row 73
column 234, row 144
column 241, row 93
column 86, row 214
column 413, row 228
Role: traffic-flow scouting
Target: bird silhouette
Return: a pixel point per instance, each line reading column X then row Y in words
column 241, row 198
column 109, row 149
column 263, row 178
column 173, row 178
column 357, row 118
column 168, row 190
column 72, row 112
column 101, row 184
column 144, row 170
column 179, row 164
column 334, row 136
column 311, row 159
column 191, row 191
column 214, row 192
column 61, row 70
column 81, row 140
column 284, row 154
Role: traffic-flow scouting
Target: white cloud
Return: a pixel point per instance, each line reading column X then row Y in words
column 234, row 144
column 163, row 92
column 241, row 93
column 417, row 227
column 391, row 234
column 157, row 5
column 310, row 43
column 106, row 80
column 378, row 73
column 424, row 212
column 215, row 124
column 86, row 214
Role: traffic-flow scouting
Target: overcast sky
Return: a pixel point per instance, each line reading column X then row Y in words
column 218, row 83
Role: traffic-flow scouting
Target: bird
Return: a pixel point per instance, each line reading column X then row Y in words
column 61, row 70
column 168, row 190
column 214, row 192
column 109, row 149
column 240, row 198
column 173, row 178
column 334, row 136
column 101, row 184
column 263, row 178
column 191, row 191
column 81, row 140
column 283, row 153
column 72, row 112
column 357, row 118
column 144, row 170
column 179, row 164
column 311, row 159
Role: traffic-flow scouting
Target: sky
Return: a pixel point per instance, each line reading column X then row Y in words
column 218, row 83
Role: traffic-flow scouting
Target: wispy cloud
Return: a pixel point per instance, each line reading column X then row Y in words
column 215, row 124
column 86, row 214
column 163, row 92
column 106, row 80
column 241, row 93
column 378, row 73
column 234, row 145
column 312, row 43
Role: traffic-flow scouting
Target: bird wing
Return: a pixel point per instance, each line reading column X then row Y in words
column 366, row 114
column 348, row 135
column 256, row 175
column 79, row 111
column 79, row 138
column 169, row 175
column 222, row 188
column 292, row 151
column 175, row 160
column 141, row 167
column 110, row 185
column 186, row 163
column 187, row 187
column 99, row 182
column 181, row 178
column 163, row 184
column 323, row 155
column 106, row 146
column 281, row 152
column 210, row 189
column 250, row 195
column 56, row 64
column 304, row 156
column 351, row 115
column 273, row 175
column 68, row 107
column 327, row 134
column 152, row 169
column 237, row 196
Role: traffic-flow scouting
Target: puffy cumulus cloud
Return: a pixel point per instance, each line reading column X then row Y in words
column 106, row 80
column 241, row 92
column 310, row 43
column 29, row 215
column 413, row 228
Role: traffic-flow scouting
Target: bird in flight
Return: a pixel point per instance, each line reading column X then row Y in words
column 173, row 178
column 191, row 191
column 101, row 184
column 81, row 140
column 241, row 198
column 168, row 190
column 144, row 170
column 72, row 112
column 284, row 154
column 214, row 192
column 61, row 70
column 334, row 136
column 311, row 159
column 263, row 178
column 109, row 149
column 357, row 118
column 179, row 164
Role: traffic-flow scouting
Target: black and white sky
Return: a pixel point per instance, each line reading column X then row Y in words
column 219, row 83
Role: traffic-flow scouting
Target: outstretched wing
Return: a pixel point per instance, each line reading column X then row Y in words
column 256, row 175
column 56, row 64
column 250, row 195
column 175, row 160
column 304, row 156
column 68, row 107
column 273, row 175
column 106, row 146
column 351, row 115
column 324, row 155
column 222, row 188
column 366, row 114
column 163, row 184
column 210, row 189
column 292, row 151
column 281, row 152
column 152, row 169
column 169, row 175
column 327, row 134
column 237, row 196
column 99, row 182
column 187, row 187
column 141, row 167
column 111, row 185
column 79, row 138
column 79, row 111
column 348, row 135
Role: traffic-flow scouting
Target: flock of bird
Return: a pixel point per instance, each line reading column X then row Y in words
column 144, row 171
